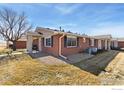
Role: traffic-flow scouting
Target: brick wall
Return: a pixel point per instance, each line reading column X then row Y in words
column 121, row 44
column 54, row 50
column 21, row 44
column 81, row 47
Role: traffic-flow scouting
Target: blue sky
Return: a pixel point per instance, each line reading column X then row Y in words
column 91, row 19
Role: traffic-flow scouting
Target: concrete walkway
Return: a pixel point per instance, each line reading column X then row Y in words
column 47, row 58
column 51, row 60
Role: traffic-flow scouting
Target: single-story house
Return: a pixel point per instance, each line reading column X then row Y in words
column 121, row 42
column 20, row 44
column 117, row 43
column 59, row 43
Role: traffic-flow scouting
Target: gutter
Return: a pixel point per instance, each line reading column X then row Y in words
column 60, row 47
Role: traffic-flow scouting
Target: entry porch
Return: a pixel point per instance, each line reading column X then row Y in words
column 34, row 41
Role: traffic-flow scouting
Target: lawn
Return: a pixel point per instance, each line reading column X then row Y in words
column 98, row 63
column 2, row 50
column 23, row 70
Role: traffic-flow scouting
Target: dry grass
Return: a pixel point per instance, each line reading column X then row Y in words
column 3, row 50
column 98, row 63
column 23, row 70
column 114, row 74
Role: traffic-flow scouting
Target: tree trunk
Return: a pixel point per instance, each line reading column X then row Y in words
column 14, row 46
column 7, row 44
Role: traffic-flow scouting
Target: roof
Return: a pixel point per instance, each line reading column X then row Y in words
column 55, row 31
column 120, row 39
column 103, row 36
column 34, row 34
column 117, row 39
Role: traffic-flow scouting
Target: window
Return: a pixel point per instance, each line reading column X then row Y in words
column 48, row 42
column 71, row 41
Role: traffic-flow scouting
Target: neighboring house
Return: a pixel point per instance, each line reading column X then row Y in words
column 120, row 42
column 117, row 43
column 20, row 44
column 59, row 43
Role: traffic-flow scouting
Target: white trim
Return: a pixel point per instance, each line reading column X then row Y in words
column 39, row 43
column 84, row 40
column 29, row 43
column 92, row 42
column 115, row 43
column 99, row 44
column 60, row 47
column 106, row 44
column 71, row 46
column 45, row 41
column 109, row 44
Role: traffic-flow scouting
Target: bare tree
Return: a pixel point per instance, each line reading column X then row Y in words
column 13, row 25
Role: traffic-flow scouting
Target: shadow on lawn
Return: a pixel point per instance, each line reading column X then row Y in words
column 97, row 63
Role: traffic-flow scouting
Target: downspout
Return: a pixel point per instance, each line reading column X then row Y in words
column 60, row 47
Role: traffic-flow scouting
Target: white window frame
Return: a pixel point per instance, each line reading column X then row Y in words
column 45, row 41
column 92, row 42
column 67, row 41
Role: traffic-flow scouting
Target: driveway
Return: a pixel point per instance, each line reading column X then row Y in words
column 97, row 63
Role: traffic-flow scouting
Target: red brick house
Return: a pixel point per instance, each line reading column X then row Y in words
column 117, row 42
column 21, row 43
column 59, row 43
column 121, row 42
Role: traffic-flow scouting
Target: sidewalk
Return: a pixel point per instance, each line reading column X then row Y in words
column 16, row 53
